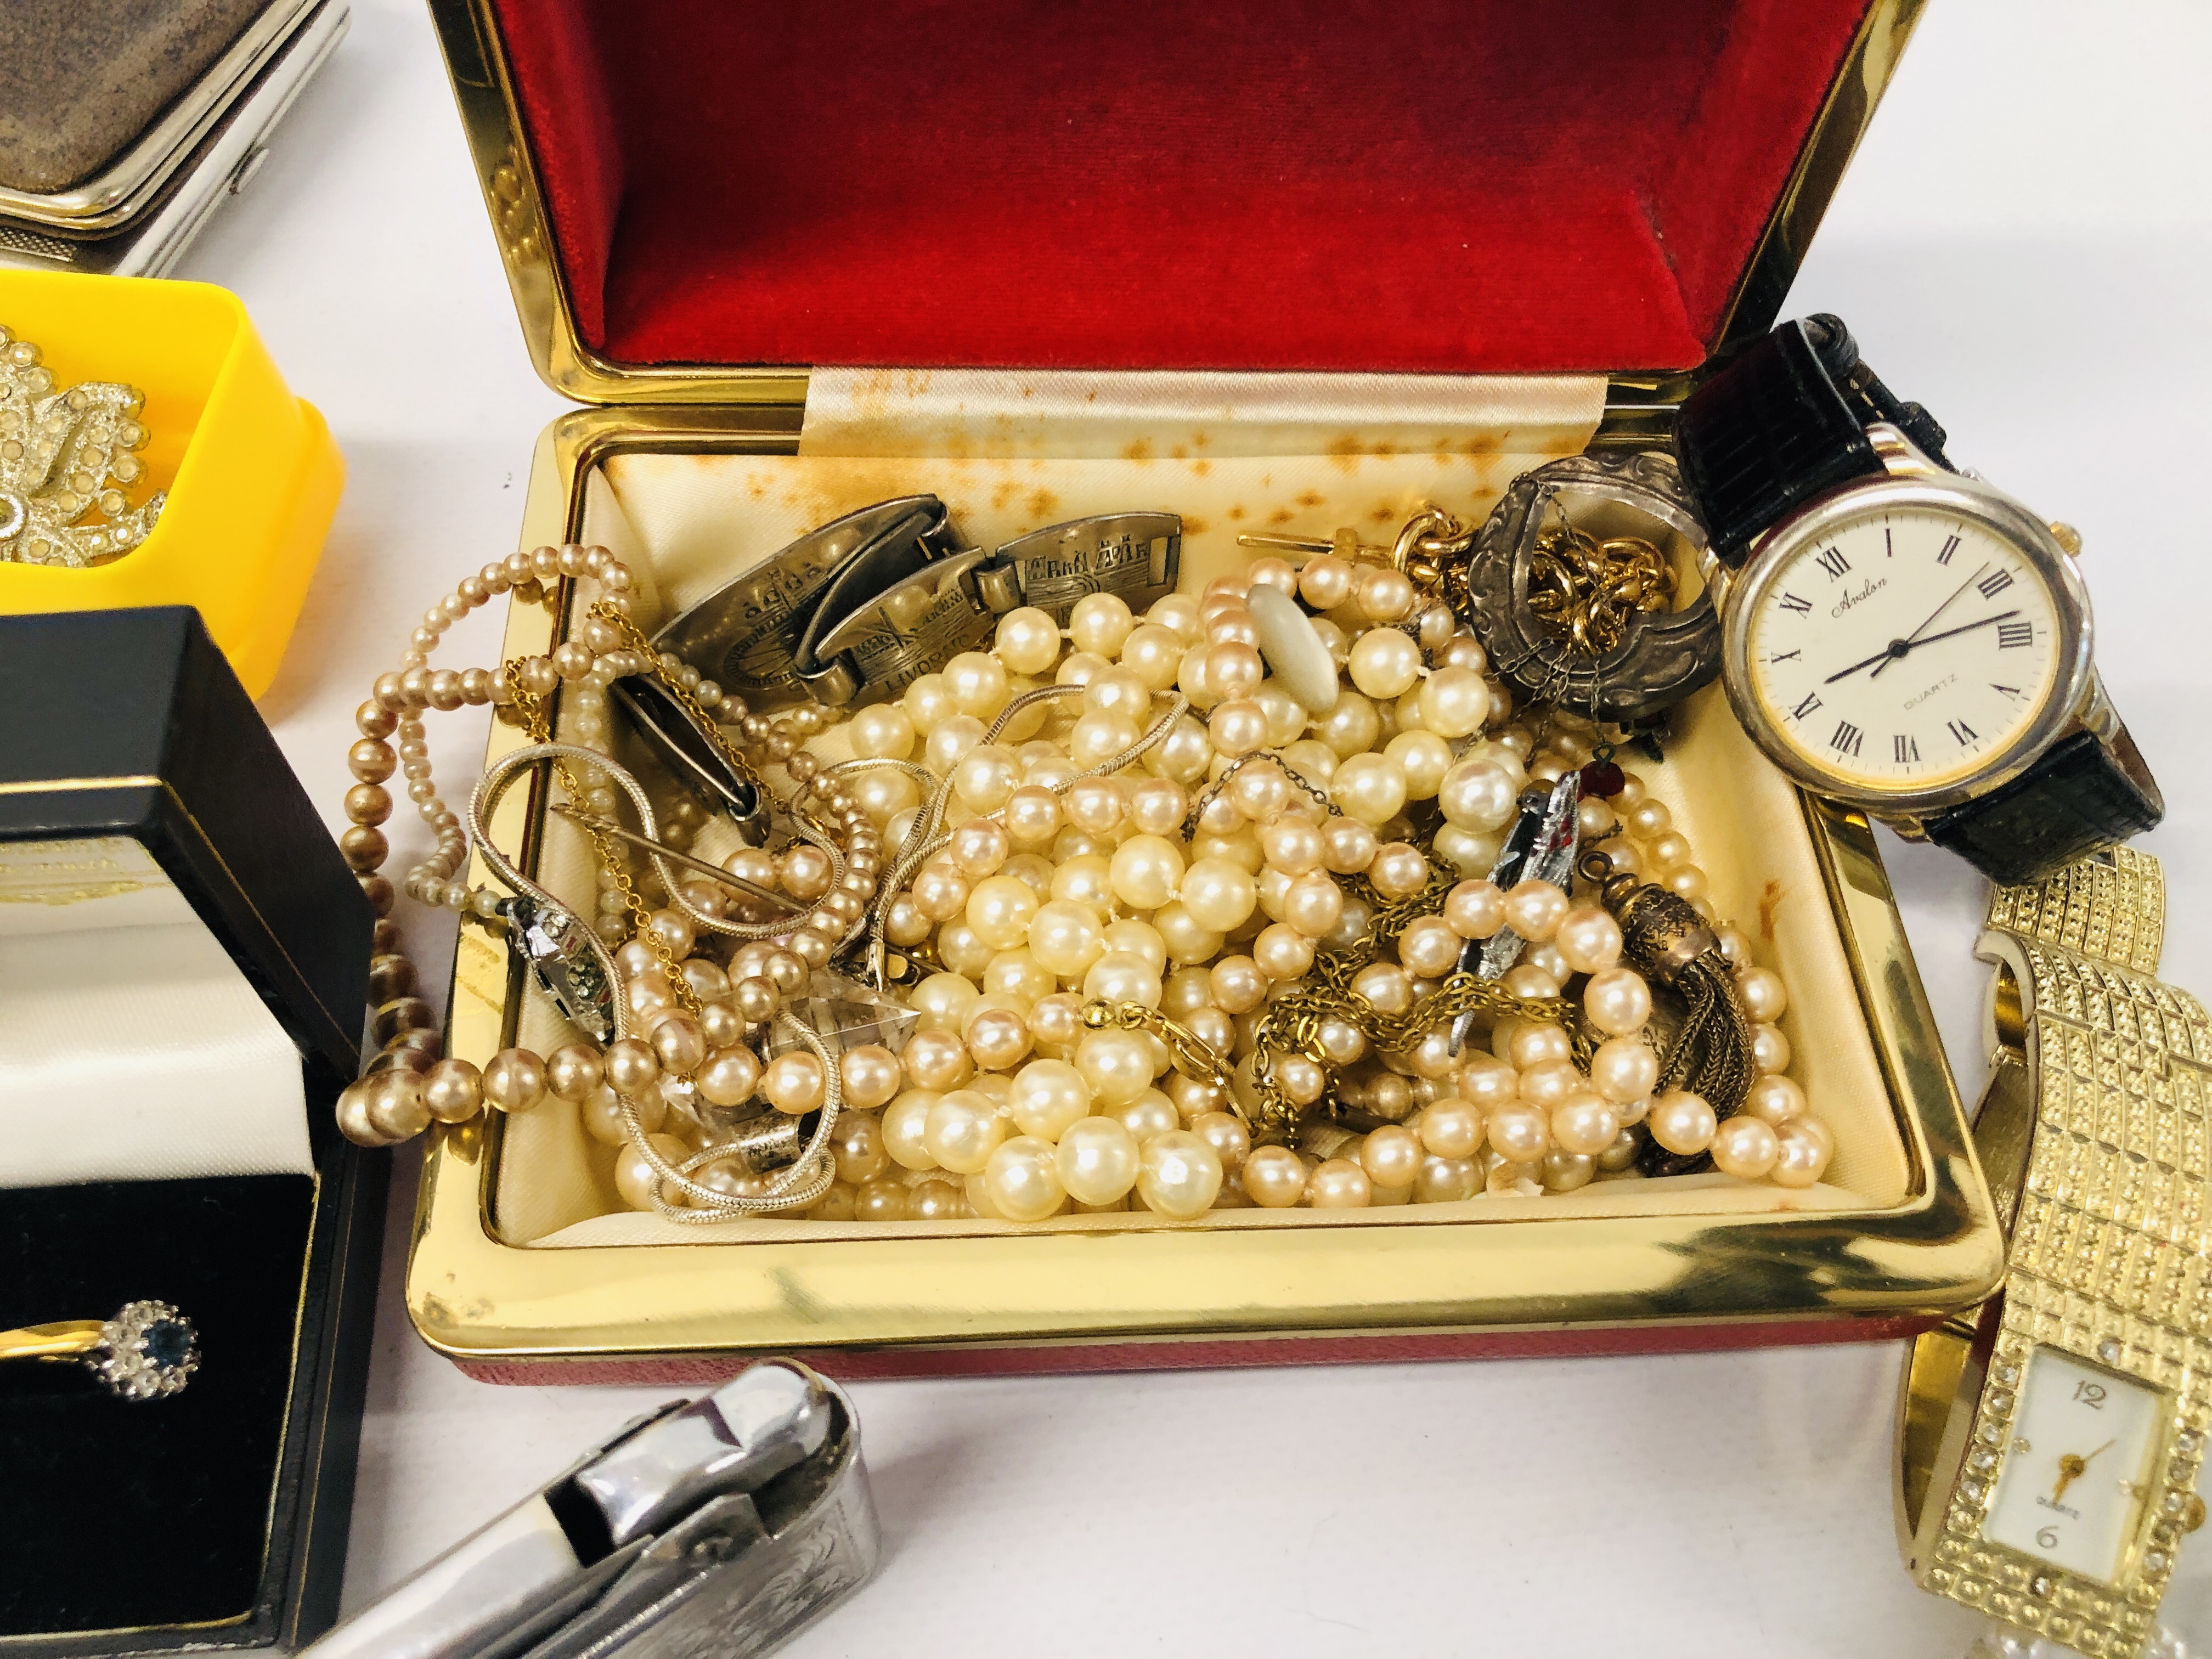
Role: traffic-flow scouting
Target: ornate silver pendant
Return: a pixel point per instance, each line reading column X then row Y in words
column 1657, row 657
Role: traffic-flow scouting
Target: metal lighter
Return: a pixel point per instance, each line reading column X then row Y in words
column 705, row 1531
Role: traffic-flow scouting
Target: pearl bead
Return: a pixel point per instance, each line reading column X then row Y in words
column 1454, row 702
column 1100, row 623
column 635, row 1180
column 1447, row 1180
column 1521, row 1133
column 1153, row 654
column 1765, row 996
column 880, row 1200
column 1057, row 1023
column 1534, row 909
column 1624, row 1069
column 1023, row 1179
column 1219, row 895
column 1746, row 1148
column 936, row 1060
column 1424, row 758
column 1339, row 1183
column 1145, row 871
column 1617, row 1001
column 1120, row 976
column 1648, row 820
column 882, row 730
column 962, row 1130
column 1392, row 1156
column 1066, row 937
column 1028, row 641
column 514, row 1081
column 1803, row 1149
column 1682, row 1122
column 1096, row 1160
column 1775, row 1101
column 998, row 1038
column 1274, row 1177
column 1478, row 794
column 1534, row 1043
column 1084, row 878
column 1325, row 582
column 1588, row 939
column 1385, row 986
column 1451, row 1128
column 1488, row 1083
column 905, row 1125
column 985, row 776
column 1549, row 1083
column 729, row 1077
column 1000, row 909
column 941, row 1000
column 452, row 1091
column 1770, row 1049
column 1313, row 905
column 1368, row 787
column 1584, row 1124
column 1384, row 663
column 1049, row 1097
column 1117, row 1065
column 1429, row 947
column 1178, row 1175
column 1299, row 1077
column 1475, row 909
column 795, row 1083
column 1565, row 1171
column 856, row 1144
column 1150, row 1113
column 1225, row 1133
column 632, row 1068
column 1532, row 981
column 1282, row 952
column 1350, row 727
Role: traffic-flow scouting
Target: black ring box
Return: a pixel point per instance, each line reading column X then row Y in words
column 216, row 1520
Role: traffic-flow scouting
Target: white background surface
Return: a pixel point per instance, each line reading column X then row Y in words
column 2021, row 244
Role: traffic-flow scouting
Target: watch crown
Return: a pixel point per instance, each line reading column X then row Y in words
column 2067, row 537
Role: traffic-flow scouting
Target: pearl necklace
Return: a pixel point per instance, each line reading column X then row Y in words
column 679, row 1040
column 1039, row 877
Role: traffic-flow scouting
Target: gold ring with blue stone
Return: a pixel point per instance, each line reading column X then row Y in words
column 147, row 1351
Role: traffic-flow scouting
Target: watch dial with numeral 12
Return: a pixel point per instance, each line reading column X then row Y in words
column 1906, row 649
column 2071, row 1489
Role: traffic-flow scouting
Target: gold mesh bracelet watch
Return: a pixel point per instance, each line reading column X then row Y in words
column 2048, row 1443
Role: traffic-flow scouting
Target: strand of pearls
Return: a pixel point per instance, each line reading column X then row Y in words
column 682, row 1046
column 1062, row 876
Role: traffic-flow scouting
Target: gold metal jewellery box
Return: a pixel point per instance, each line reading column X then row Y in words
column 1114, row 278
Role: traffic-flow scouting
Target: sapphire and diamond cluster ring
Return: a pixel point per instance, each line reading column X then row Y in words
column 147, row 1351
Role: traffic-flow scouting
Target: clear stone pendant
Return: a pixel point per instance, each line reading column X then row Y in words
column 845, row 1014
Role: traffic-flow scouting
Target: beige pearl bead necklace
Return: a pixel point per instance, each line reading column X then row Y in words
column 1202, row 882
column 682, row 1051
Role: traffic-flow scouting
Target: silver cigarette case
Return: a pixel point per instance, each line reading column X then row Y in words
column 135, row 213
column 709, row 1530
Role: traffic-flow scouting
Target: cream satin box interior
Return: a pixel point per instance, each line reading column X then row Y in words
column 1270, row 354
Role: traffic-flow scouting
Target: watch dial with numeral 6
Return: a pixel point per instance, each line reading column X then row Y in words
column 1906, row 649
column 2072, row 1487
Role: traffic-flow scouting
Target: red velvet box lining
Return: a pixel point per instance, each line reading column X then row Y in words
column 1483, row 186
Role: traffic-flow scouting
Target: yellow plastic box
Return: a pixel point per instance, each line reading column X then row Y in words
column 251, row 472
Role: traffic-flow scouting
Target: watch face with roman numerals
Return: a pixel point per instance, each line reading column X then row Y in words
column 1905, row 648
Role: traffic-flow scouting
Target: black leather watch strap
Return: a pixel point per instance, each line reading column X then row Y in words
column 1783, row 423
column 2080, row 797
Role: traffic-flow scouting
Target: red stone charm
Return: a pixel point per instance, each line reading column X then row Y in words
column 1602, row 779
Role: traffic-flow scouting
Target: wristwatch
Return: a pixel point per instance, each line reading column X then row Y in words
column 2048, row 1443
column 1897, row 634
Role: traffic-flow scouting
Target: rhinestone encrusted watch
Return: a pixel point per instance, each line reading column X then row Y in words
column 2049, row 1442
